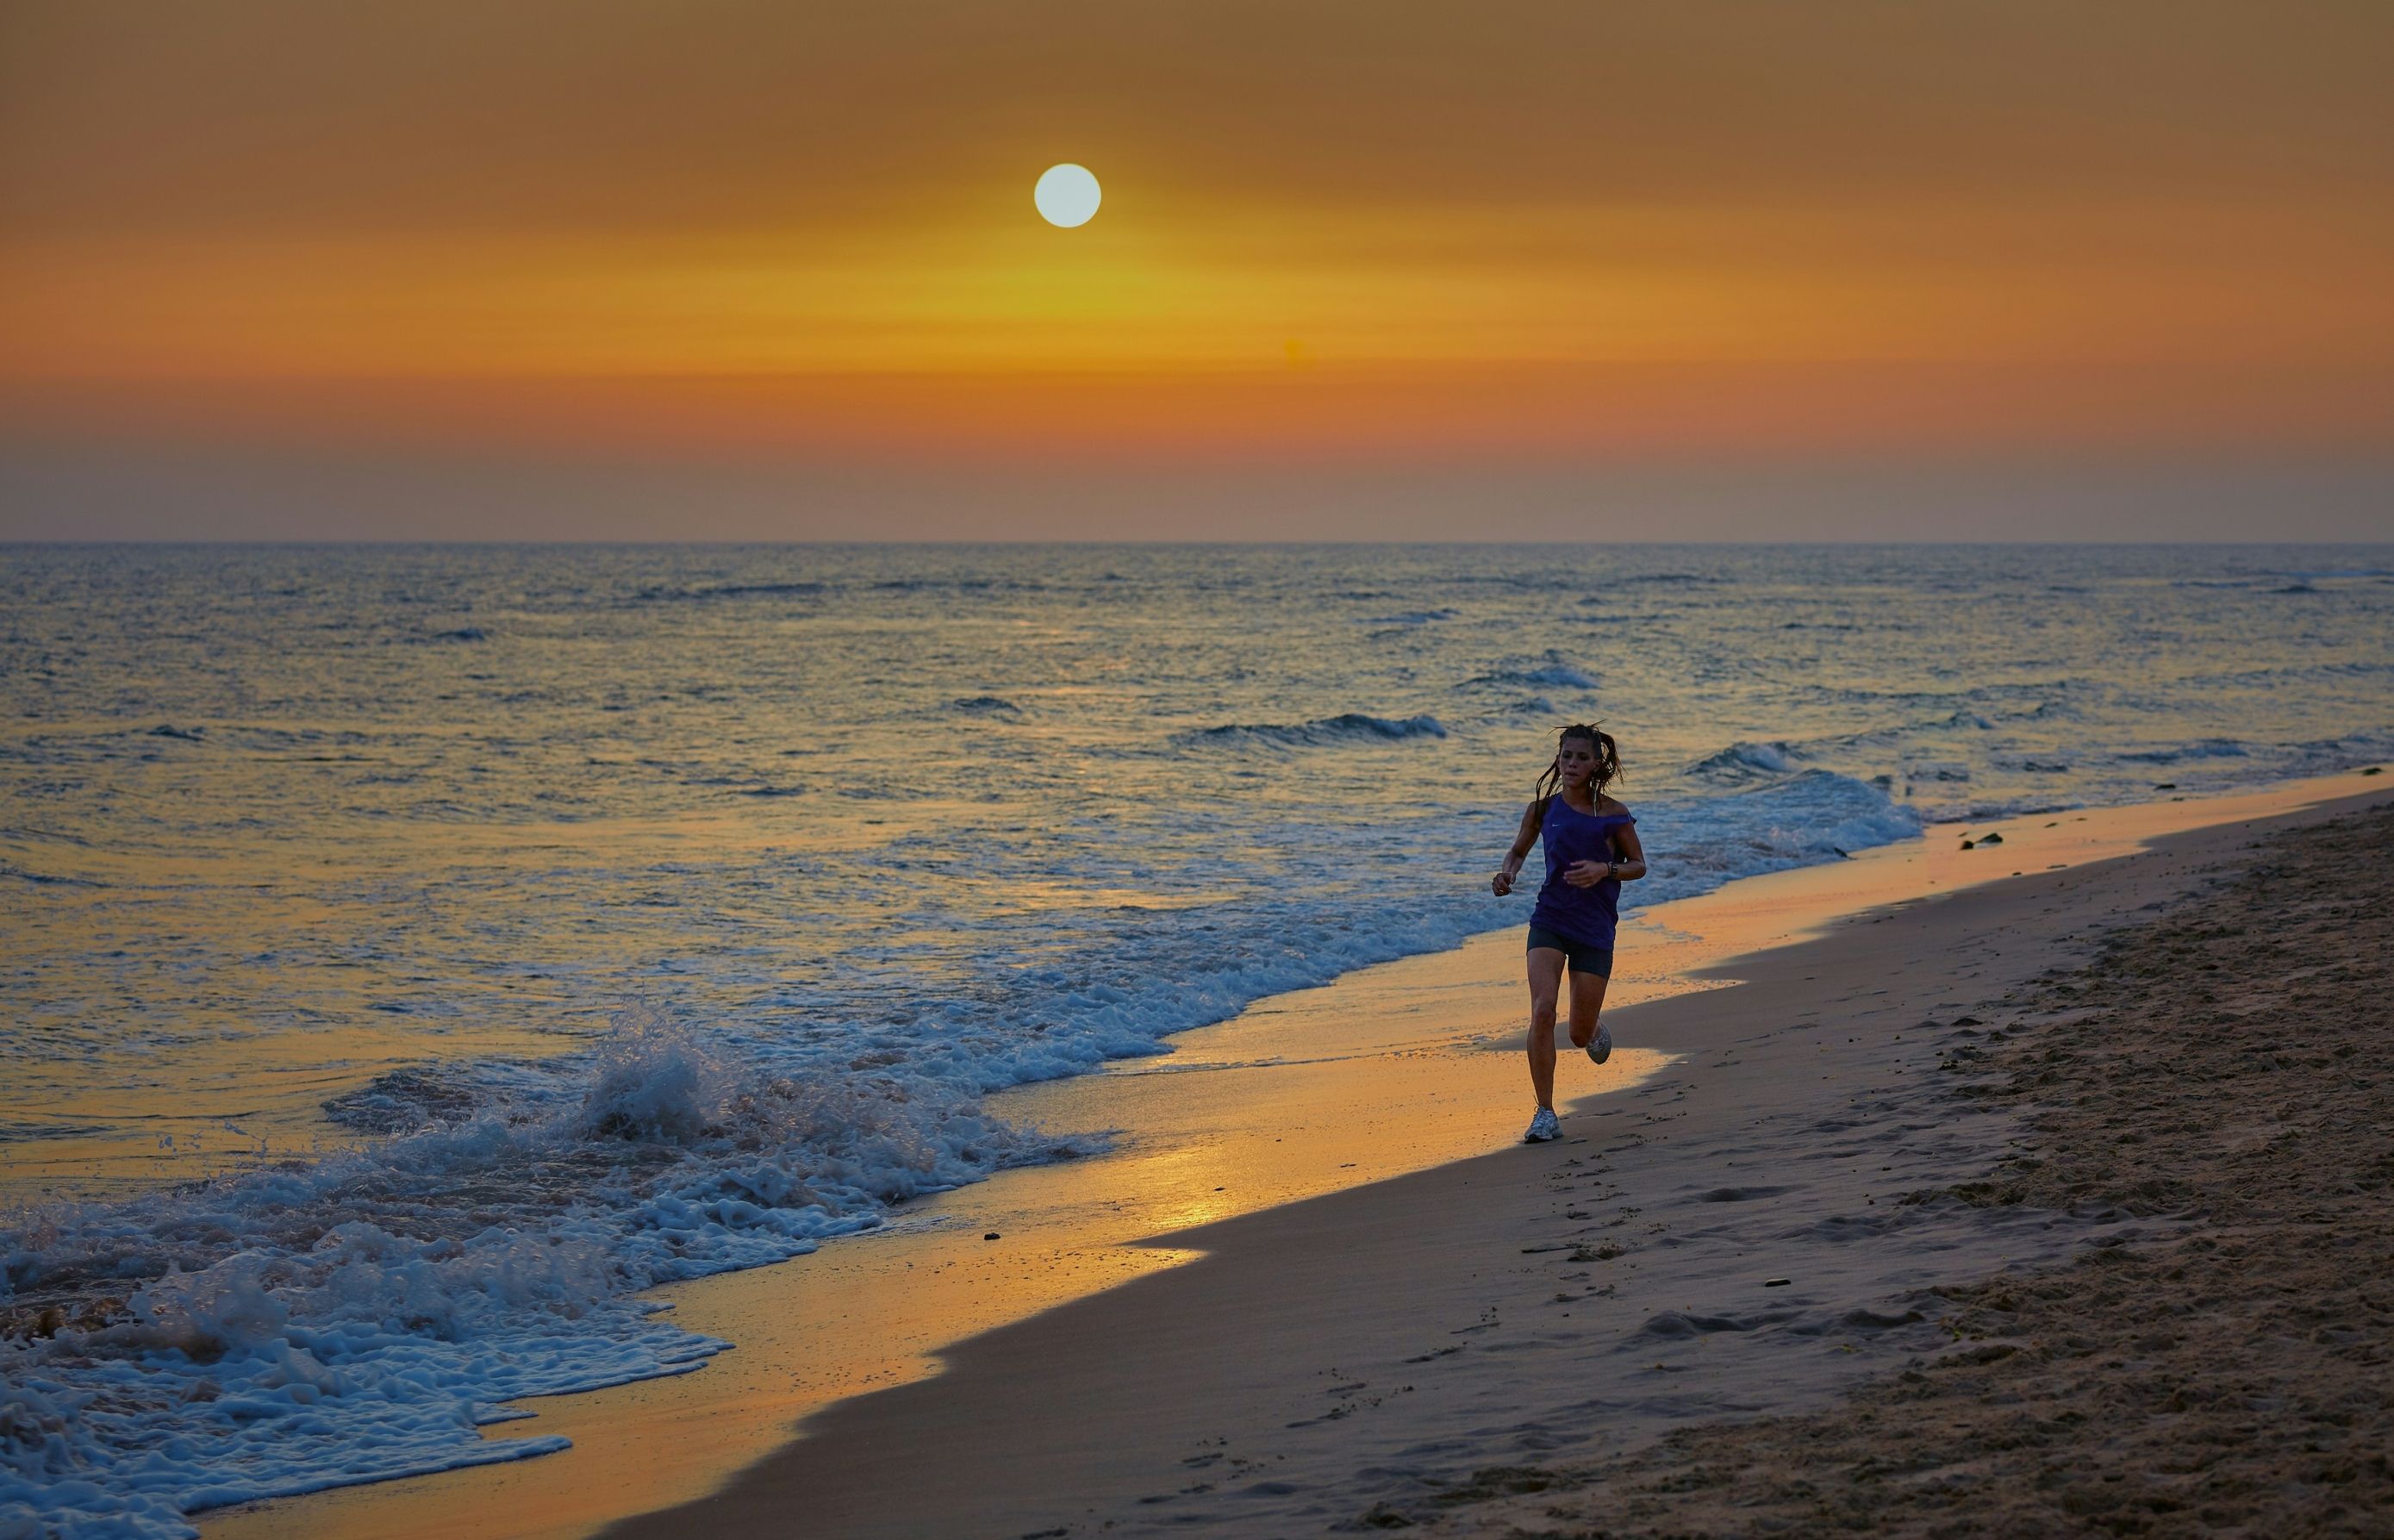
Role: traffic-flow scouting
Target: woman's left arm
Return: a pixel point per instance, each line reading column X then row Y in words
column 1630, row 862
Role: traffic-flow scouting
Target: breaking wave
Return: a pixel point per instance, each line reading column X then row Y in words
column 1348, row 727
column 1745, row 762
column 300, row 1326
column 1552, row 672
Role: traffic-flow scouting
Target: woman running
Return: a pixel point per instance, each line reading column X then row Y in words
column 1591, row 850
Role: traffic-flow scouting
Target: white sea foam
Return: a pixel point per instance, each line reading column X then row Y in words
column 362, row 1317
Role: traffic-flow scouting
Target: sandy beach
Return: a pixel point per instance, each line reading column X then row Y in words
column 1375, row 1356
column 1525, row 1319
column 2219, row 1070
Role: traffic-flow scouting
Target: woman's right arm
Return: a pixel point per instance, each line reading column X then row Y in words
column 1532, row 817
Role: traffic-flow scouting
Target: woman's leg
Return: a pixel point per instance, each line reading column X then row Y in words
column 1588, row 1005
column 1546, row 982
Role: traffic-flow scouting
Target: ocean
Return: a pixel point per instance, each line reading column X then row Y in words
column 415, row 952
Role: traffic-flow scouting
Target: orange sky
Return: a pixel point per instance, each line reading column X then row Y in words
column 727, row 227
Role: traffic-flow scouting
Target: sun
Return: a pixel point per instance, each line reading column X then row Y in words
column 1067, row 195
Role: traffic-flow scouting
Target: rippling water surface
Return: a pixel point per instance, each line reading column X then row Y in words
column 411, row 952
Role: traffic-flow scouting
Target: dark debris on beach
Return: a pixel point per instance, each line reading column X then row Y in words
column 2221, row 1067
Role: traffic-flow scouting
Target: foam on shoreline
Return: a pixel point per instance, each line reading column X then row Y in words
column 483, row 1238
column 1063, row 1226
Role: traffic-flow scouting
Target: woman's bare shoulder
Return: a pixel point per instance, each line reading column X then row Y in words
column 1611, row 806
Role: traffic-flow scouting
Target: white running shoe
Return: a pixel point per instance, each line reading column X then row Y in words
column 1543, row 1127
column 1601, row 1049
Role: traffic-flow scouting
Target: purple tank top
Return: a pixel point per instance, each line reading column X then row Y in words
column 1585, row 915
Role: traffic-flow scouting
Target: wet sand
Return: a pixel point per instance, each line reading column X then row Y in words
column 1378, row 1345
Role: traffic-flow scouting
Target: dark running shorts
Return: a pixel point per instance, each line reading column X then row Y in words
column 1583, row 958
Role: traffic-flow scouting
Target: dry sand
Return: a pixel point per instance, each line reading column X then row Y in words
column 1376, row 1356
column 2223, row 1067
